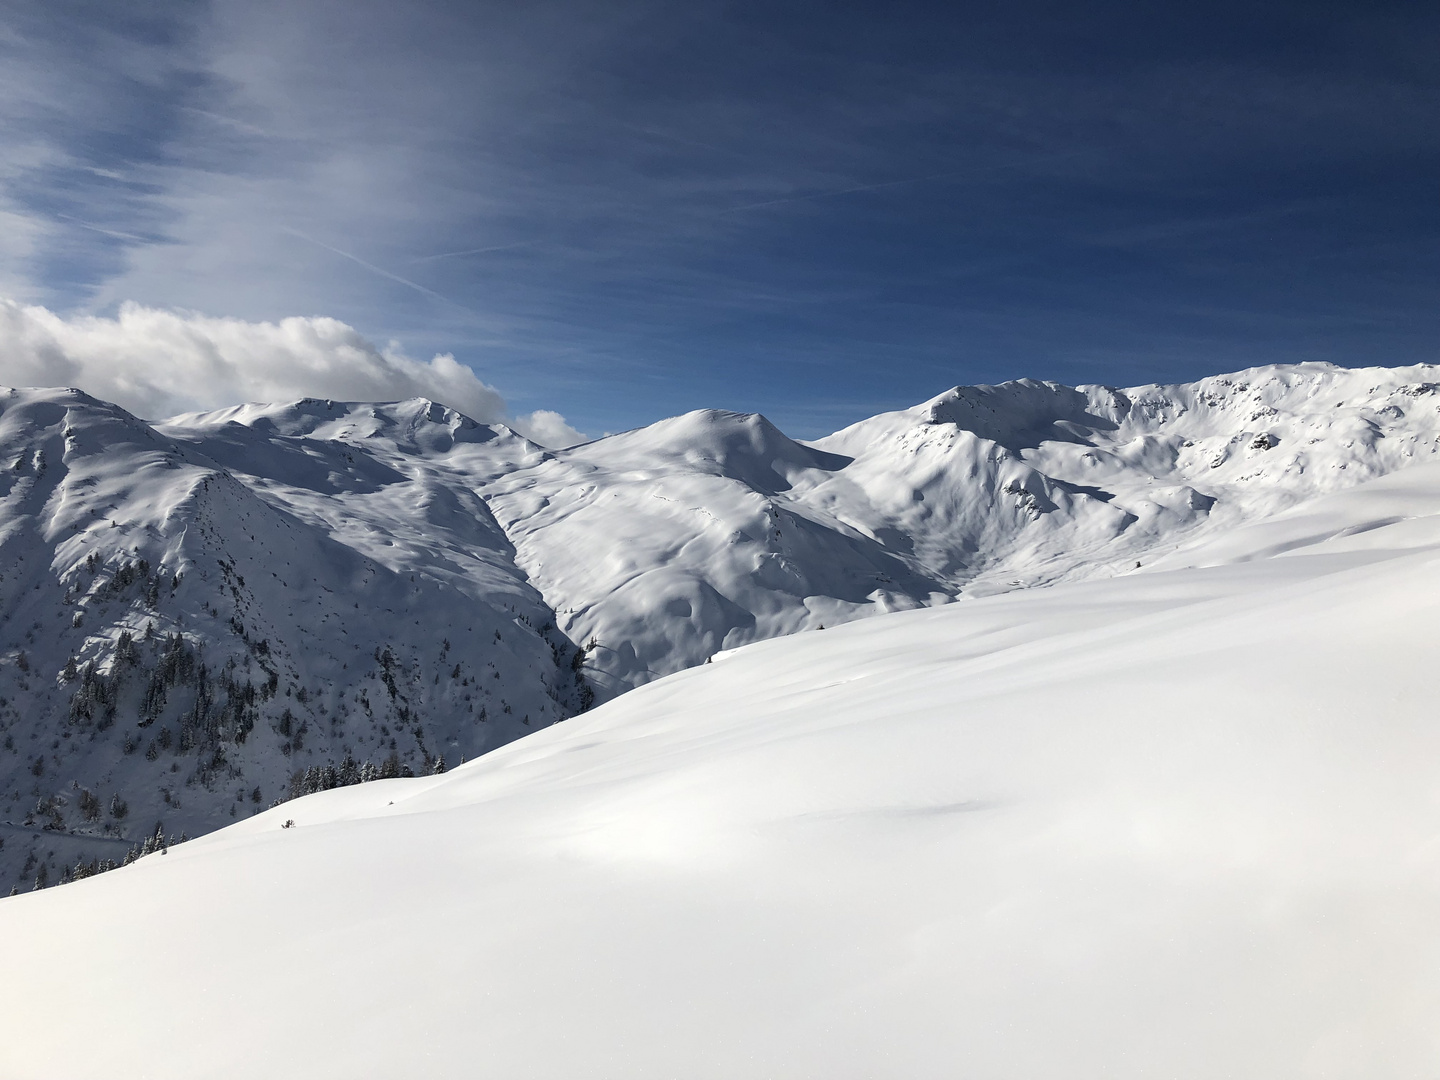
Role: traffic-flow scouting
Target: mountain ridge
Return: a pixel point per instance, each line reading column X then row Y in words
column 434, row 587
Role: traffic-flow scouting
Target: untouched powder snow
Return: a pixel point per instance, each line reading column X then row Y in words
column 1177, row 822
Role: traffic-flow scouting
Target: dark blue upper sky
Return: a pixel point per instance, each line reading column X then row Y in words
column 624, row 210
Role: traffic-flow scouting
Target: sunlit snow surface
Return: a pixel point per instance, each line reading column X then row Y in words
column 1183, row 822
column 713, row 530
column 314, row 582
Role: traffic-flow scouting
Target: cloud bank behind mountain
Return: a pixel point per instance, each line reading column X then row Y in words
column 157, row 363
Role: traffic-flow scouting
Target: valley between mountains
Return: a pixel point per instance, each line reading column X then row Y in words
column 205, row 616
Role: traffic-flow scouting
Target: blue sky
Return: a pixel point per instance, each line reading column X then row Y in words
column 625, row 210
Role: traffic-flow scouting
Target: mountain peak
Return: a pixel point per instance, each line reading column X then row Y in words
column 400, row 579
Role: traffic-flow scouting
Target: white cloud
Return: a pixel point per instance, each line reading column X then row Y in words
column 158, row 363
column 547, row 428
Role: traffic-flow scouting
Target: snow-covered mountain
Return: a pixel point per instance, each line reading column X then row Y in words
column 1175, row 822
column 179, row 639
column 197, row 612
column 711, row 530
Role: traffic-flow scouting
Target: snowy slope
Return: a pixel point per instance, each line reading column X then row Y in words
column 713, row 529
column 391, row 480
column 1032, row 482
column 668, row 544
column 403, row 574
column 1177, row 822
column 177, row 646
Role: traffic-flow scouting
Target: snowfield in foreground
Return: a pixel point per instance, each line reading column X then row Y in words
column 1184, row 822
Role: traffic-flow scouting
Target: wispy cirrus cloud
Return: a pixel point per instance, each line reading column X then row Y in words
column 623, row 210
